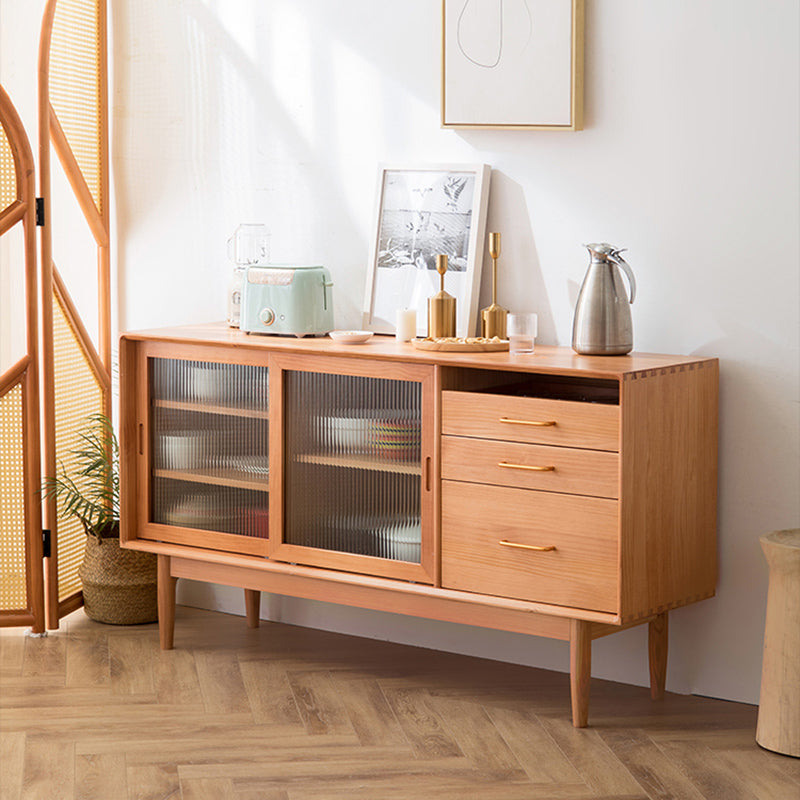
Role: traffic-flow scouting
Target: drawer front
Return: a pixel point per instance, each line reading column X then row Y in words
column 580, row 570
column 531, row 466
column 563, row 423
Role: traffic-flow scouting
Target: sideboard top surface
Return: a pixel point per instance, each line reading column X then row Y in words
column 545, row 359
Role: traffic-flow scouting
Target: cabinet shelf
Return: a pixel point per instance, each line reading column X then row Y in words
column 361, row 462
column 216, row 477
column 207, row 408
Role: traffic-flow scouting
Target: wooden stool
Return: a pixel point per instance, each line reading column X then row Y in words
column 779, row 707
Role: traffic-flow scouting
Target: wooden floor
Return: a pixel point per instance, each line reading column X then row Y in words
column 287, row 713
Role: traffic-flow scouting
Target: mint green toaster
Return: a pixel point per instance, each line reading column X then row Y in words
column 287, row 300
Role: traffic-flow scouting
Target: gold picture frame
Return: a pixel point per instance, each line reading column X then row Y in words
column 512, row 65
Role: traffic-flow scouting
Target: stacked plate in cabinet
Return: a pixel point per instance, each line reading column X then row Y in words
column 398, row 439
column 198, row 511
column 396, row 537
column 184, row 449
column 393, row 438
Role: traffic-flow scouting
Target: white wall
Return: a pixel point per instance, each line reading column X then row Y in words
column 279, row 111
column 73, row 246
column 18, row 76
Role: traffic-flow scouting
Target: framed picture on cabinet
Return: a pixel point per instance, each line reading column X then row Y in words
column 423, row 212
column 512, row 64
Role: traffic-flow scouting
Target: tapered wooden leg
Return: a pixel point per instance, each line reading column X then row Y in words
column 580, row 670
column 252, row 604
column 658, row 635
column 166, row 603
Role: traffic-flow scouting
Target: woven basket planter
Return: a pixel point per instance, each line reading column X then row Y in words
column 119, row 586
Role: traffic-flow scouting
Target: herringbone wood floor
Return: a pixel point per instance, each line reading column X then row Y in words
column 287, row 713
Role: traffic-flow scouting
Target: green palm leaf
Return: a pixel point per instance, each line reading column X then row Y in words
column 90, row 492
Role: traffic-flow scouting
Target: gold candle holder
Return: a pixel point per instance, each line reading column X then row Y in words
column 441, row 307
column 493, row 318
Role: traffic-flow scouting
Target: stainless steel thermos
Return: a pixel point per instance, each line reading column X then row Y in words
column 602, row 324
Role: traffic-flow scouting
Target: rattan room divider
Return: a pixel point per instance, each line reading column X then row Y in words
column 75, row 367
column 21, row 589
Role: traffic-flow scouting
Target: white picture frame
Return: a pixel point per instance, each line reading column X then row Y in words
column 512, row 64
column 421, row 212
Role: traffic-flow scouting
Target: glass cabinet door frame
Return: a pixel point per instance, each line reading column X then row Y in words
column 426, row 571
column 137, row 457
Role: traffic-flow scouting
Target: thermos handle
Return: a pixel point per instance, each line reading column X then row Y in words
column 626, row 268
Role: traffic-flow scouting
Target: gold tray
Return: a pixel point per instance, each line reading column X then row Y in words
column 468, row 345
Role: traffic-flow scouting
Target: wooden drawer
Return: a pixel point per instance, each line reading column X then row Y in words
column 564, row 423
column 531, row 466
column 581, row 571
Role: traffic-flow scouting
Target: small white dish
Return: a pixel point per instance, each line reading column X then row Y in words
column 350, row 337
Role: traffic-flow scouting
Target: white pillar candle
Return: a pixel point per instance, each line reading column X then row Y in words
column 405, row 324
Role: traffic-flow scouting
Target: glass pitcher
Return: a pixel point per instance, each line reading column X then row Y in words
column 248, row 247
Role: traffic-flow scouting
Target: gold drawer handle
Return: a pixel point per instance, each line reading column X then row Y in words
column 525, row 466
column 544, row 549
column 543, row 424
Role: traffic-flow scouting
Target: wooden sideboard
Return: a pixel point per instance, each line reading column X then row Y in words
column 551, row 494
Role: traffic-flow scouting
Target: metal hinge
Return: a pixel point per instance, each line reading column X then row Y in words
column 40, row 211
column 46, row 551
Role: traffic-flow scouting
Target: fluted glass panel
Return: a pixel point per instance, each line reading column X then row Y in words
column 352, row 464
column 210, row 446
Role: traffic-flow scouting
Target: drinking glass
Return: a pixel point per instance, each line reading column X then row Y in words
column 522, row 328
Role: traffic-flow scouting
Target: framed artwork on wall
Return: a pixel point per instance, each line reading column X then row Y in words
column 512, row 64
column 422, row 212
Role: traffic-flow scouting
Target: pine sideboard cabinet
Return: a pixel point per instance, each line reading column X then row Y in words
column 551, row 494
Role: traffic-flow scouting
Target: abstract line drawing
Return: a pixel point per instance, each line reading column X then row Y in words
column 498, row 13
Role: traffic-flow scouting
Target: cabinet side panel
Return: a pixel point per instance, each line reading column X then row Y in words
column 668, row 553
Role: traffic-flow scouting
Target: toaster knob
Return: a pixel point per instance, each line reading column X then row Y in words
column 267, row 316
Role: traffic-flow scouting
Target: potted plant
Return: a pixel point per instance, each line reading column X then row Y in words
column 119, row 585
